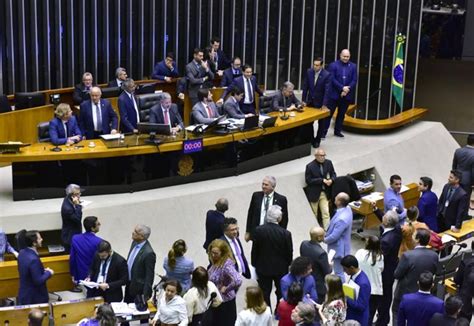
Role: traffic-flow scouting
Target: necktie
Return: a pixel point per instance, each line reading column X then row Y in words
column 131, row 259
column 321, row 169
column 448, row 198
column 104, row 268
column 66, row 129
column 239, row 254
column 209, row 111
column 99, row 117
column 249, row 90
column 316, row 76
column 267, row 203
column 166, row 117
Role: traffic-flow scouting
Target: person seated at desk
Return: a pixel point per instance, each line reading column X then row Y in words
column 120, row 77
column 285, row 99
column 231, row 105
column 97, row 116
column 128, row 107
column 5, row 246
column 166, row 112
column 205, row 110
column 81, row 90
column 231, row 73
column 104, row 315
column 166, row 70
column 63, row 129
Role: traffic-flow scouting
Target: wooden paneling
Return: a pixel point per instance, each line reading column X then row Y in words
column 71, row 312
column 18, row 315
column 393, row 122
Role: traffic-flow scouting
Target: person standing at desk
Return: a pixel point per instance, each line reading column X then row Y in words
column 427, row 204
column 81, row 90
column 393, row 200
column 97, row 116
column 33, row 275
column 71, row 215
column 120, row 77
column 128, row 108
column 453, row 204
column 231, row 73
column 197, row 73
column 64, row 129
column 463, row 161
column 166, row 70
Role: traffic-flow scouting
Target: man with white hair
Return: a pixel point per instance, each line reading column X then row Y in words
column 71, row 214
column 120, row 77
column 81, row 90
column 272, row 252
column 285, row 99
column 259, row 204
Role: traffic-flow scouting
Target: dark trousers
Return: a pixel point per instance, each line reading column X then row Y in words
column 466, row 310
column 386, row 300
column 374, row 305
column 341, row 104
column 226, row 313
column 248, row 108
column 265, row 283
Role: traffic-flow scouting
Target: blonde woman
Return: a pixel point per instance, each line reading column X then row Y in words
column 333, row 310
column 257, row 312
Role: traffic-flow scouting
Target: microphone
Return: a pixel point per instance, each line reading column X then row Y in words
column 462, row 245
column 213, row 296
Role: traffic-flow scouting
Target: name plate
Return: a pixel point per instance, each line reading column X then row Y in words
column 192, row 146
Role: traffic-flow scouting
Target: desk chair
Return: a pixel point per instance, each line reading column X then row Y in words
column 265, row 104
column 4, row 105
column 43, row 132
column 72, row 311
column 18, row 315
column 145, row 102
column 448, row 266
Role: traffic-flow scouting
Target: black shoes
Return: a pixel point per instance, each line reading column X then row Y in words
column 339, row 134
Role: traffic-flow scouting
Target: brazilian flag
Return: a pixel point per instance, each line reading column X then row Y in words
column 397, row 73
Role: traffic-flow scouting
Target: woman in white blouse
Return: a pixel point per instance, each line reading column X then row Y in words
column 199, row 295
column 371, row 262
column 257, row 312
column 171, row 308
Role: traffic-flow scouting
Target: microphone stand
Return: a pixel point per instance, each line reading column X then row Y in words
column 440, row 290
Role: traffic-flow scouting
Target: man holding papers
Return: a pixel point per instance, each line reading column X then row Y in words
column 358, row 298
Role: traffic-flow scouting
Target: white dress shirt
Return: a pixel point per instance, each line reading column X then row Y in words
column 94, row 116
column 263, row 212
column 172, row 312
column 103, row 278
column 234, row 251
column 374, row 272
column 246, row 87
column 195, row 304
column 249, row 317
column 134, row 105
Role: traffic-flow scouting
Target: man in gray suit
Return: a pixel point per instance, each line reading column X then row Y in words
column 232, row 107
column 205, row 110
column 411, row 265
column 285, row 99
column 463, row 161
column 319, row 259
column 198, row 73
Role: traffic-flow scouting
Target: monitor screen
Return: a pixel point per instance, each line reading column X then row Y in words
column 29, row 100
column 156, row 128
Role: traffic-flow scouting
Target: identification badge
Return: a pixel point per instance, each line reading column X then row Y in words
column 446, row 204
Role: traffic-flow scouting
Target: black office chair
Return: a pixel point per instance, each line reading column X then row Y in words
column 43, row 132
column 447, row 267
column 4, row 105
column 266, row 103
column 20, row 242
column 145, row 102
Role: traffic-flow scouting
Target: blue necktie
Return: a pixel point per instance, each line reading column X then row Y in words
column 131, row 259
column 99, row 117
column 249, row 90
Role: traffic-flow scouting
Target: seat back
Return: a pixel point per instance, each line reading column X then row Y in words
column 266, row 103
column 145, row 102
column 71, row 312
column 4, row 105
column 450, row 266
column 43, row 132
column 18, row 315
column 20, row 240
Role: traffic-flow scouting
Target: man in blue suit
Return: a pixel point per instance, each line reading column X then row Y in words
column 166, row 113
column 300, row 272
column 120, row 77
column 63, row 129
column 215, row 221
column 231, row 73
column 338, row 235
column 166, row 70
column 220, row 58
column 417, row 309
column 342, row 90
column 33, row 275
column 97, row 116
column 316, row 92
column 358, row 308
column 427, row 204
column 248, row 83
column 128, row 108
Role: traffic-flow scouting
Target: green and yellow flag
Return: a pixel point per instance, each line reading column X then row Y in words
column 397, row 73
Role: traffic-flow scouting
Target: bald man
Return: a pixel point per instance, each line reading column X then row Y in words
column 338, row 236
column 341, row 91
column 319, row 259
column 97, row 116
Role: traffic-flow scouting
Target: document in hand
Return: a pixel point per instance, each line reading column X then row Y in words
column 90, row 285
column 351, row 290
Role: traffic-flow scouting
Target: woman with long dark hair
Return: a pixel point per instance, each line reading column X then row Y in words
column 171, row 308
column 177, row 266
column 104, row 316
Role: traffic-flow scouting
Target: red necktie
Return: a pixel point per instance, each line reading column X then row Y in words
column 209, row 111
column 166, row 117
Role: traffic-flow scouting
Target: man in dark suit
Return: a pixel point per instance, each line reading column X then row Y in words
column 285, row 99
column 419, row 307
column 259, row 204
column 248, row 83
column 411, row 265
column 33, row 275
column 427, row 204
column 71, row 215
column 453, row 204
column 141, row 265
column 390, row 240
column 463, row 161
column 319, row 259
column 272, row 252
column 205, row 110
column 128, row 107
column 97, row 116
column 64, row 129
column 81, row 91
column 358, row 308
column 109, row 270
column 231, row 73
column 319, row 176
column 452, row 309
column 166, row 70
column 464, row 280
column 316, row 92
column 219, row 56
column 167, row 113
column 198, row 73
column 120, row 77
column 342, row 90
column 231, row 106
column 215, row 221
column 231, row 235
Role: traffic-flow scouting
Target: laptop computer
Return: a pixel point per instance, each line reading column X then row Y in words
column 269, row 122
column 250, row 123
